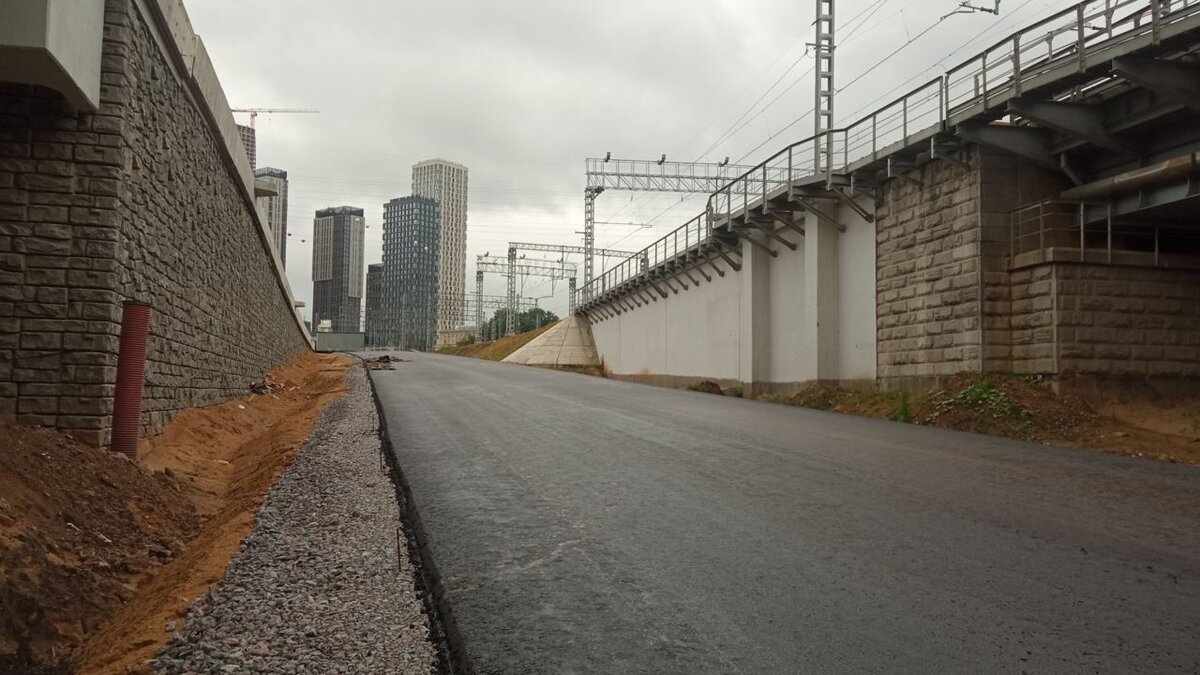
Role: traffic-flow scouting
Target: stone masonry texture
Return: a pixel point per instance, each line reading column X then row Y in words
column 1109, row 320
column 927, row 273
column 132, row 203
column 950, row 299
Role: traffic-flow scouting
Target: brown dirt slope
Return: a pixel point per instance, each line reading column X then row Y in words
column 78, row 527
column 496, row 350
column 100, row 557
column 229, row 456
column 1015, row 407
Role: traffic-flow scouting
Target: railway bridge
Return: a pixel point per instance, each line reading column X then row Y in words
column 1035, row 210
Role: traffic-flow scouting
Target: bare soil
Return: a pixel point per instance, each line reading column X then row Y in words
column 79, row 528
column 1027, row 409
column 100, row 557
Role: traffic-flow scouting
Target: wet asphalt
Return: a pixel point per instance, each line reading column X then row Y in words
column 582, row 525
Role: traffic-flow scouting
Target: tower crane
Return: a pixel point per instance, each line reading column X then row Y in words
column 254, row 112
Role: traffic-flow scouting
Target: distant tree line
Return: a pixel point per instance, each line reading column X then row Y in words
column 530, row 319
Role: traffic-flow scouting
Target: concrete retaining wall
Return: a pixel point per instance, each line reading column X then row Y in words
column 148, row 199
column 780, row 323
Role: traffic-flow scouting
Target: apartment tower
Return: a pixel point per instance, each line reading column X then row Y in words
column 374, row 303
column 408, row 313
column 250, row 143
column 337, row 269
column 275, row 208
column 446, row 183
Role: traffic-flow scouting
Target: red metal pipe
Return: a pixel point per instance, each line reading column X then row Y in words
column 131, row 378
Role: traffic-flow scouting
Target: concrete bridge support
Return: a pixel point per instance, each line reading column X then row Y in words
column 783, row 321
column 949, row 277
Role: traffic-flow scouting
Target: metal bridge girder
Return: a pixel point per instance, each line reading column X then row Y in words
column 1025, row 142
column 808, row 200
column 746, row 236
column 1073, row 119
column 1176, row 80
column 767, row 226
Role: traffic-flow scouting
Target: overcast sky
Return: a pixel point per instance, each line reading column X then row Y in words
column 522, row 91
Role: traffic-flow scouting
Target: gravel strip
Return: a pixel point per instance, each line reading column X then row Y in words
column 315, row 587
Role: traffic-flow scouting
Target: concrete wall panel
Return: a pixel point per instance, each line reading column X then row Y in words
column 789, row 346
column 54, row 44
column 856, row 358
column 761, row 327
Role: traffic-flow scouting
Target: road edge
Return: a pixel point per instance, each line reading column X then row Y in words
column 443, row 629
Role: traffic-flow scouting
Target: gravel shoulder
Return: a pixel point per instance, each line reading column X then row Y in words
column 324, row 583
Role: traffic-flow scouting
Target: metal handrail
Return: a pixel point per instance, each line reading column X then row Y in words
column 988, row 79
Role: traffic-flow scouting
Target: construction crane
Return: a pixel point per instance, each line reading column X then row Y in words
column 254, row 112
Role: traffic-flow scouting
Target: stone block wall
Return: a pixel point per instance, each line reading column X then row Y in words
column 927, row 273
column 946, row 300
column 138, row 201
column 1127, row 321
column 1027, row 320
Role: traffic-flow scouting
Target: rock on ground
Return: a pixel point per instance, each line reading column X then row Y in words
column 323, row 584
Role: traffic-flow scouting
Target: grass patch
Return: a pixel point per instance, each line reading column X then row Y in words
column 495, row 350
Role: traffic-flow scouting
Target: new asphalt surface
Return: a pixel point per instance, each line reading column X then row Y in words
column 582, row 525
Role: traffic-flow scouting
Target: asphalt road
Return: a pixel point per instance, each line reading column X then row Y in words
column 583, row 525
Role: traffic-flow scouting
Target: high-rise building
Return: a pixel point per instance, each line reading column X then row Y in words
column 372, row 325
column 250, row 142
column 337, row 267
column 411, row 263
column 275, row 208
column 446, row 183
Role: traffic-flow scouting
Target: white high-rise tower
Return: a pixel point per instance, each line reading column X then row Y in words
column 446, row 183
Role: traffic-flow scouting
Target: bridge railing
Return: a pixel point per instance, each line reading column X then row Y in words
column 1088, row 232
column 690, row 236
column 998, row 74
column 990, row 78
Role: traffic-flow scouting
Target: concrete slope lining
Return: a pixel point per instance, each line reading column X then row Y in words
column 568, row 343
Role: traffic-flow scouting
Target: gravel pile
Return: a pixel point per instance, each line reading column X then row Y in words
column 322, row 585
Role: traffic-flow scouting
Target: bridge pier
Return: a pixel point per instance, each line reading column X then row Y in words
column 754, row 318
column 822, row 262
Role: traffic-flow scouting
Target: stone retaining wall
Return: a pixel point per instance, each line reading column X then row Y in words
column 142, row 200
column 947, row 301
column 927, row 273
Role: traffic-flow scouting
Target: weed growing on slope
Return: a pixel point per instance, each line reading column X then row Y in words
column 979, row 398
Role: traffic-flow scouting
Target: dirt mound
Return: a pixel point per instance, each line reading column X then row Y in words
column 228, row 456
column 707, row 387
column 496, row 350
column 79, row 527
column 818, row 397
column 100, row 557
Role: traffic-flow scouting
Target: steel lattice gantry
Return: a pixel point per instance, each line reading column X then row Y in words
column 562, row 249
column 550, row 269
column 478, row 304
column 636, row 175
column 825, row 89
